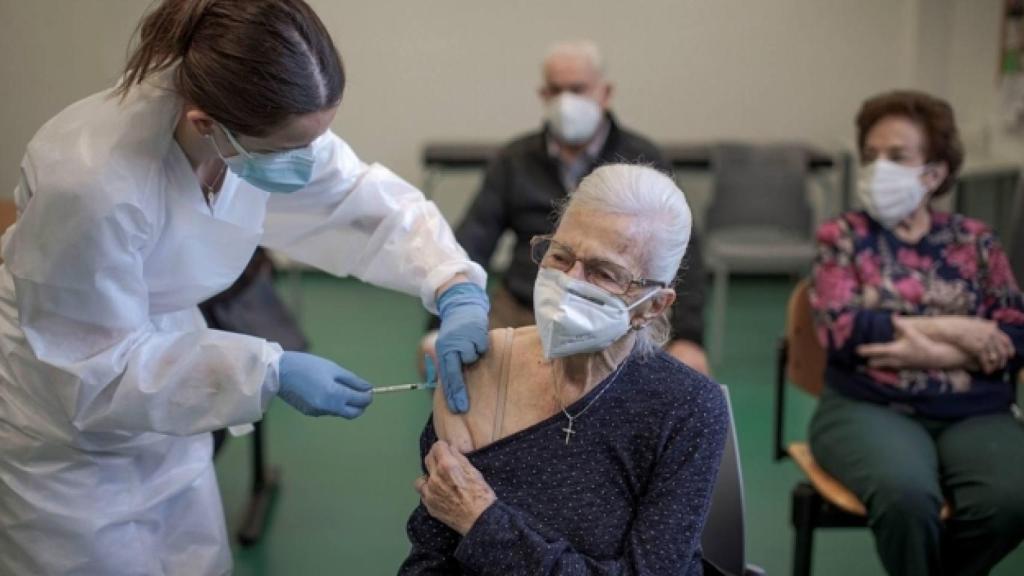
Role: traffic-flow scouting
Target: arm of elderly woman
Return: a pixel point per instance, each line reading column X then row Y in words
column 981, row 340
column 913, row 348
column 661, row 540
column 838, row 297
column 996, row 335
column 853, row 332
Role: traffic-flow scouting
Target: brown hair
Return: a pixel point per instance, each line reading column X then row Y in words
column 933, row 115
column 250, row 64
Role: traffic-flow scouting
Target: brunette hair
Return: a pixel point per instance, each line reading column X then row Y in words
column 250, row 64
column 933, row 115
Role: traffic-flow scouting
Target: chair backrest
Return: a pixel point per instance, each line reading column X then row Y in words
column 806, row 358
column 1015, row 243
column 8, row 215
column 723, row 536
column 760, row 186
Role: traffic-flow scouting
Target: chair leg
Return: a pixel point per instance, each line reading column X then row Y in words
column 721, row 290
column 803, row 549
column 266, row 480
column 804, row 505
column 781, row 358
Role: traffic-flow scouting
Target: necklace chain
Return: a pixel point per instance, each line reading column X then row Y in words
column 572, row 419
column 208, row 189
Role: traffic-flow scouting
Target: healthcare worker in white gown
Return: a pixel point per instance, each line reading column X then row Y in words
column 139, row 202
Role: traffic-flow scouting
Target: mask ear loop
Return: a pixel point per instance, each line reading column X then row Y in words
column 216, row 148
column 231, row 140
column 605, row 355
column 648, row 296
column 213, row 142
column 928, row 170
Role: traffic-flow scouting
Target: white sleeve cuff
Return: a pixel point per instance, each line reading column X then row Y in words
column 271, row 380
column 445, row 272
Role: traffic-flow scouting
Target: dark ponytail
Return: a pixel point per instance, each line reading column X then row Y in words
column 250, row 64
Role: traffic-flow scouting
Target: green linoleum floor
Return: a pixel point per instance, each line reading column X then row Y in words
column 347, row 486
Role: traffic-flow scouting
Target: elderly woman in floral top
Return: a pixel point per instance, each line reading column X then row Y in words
column 924, row 326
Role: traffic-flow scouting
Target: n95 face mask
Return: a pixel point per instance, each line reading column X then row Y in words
column 576, row 317
column 573, row 118
column 890, row 192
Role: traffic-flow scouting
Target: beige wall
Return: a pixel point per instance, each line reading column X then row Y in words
column 684, row 69
column 971, row 86
column 53, row 52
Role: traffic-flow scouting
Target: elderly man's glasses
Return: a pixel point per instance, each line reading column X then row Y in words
column 609, row 276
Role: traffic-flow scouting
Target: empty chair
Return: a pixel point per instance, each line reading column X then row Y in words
column 759, row 220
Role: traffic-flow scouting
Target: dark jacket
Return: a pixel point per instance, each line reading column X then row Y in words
column 521, row 192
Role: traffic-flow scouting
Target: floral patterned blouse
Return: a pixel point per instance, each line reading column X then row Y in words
column 864, row 274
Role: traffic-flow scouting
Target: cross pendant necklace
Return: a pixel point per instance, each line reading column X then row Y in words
column 572, row 419
column 569, row 431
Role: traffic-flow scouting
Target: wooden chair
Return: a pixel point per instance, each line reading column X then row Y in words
column 821, row 501
column 8, row 215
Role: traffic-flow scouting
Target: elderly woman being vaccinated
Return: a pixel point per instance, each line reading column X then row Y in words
column 587, row 449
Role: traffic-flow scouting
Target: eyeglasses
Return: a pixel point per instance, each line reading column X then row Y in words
column 609, row 276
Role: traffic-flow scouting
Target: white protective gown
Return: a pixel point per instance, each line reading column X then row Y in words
column 109, row 379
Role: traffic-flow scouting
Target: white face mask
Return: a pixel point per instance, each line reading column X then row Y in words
column 576, row 317
column 573, row 118
column 890, row 192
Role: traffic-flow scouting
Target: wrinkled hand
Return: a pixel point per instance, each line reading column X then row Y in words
column 910, row 348
column 453, row 490
column 984, row 340
column 316, row 386
column 462, row 338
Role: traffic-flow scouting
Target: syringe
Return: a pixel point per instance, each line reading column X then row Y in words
column 403, row 387
column 430, row 384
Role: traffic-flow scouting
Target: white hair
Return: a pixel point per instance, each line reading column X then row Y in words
column 584, row 49
column 663, row 225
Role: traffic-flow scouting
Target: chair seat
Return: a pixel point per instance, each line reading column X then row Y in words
column 830, row 488
column 759, row 249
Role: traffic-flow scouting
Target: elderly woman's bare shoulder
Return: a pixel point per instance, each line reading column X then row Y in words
column 474, row 429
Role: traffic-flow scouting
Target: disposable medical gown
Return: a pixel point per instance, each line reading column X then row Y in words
column 109, row 379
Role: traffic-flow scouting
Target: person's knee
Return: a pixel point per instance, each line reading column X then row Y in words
column 903, row 500
column 999, row 507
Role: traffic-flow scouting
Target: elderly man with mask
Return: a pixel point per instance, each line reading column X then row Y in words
column 534, row 173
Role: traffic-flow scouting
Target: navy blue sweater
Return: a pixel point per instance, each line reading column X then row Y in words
column 628, row 495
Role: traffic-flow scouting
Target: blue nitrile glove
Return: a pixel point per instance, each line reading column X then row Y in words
column 316, row 386
column 461, row 339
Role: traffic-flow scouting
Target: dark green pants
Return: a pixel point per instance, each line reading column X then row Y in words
column 903, row 468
